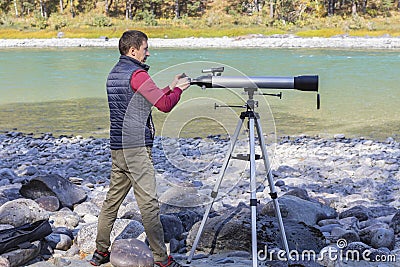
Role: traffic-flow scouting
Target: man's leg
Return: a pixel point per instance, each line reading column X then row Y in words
column 142, row 170
column 120, row 185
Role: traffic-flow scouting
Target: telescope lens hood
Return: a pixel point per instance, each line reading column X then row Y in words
column 306, row 83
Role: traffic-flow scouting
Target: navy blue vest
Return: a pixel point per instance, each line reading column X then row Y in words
column 131, row 124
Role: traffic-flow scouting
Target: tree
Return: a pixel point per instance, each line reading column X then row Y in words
column 331, row 7
column 177, row 10
column 128, row 11
column 61, row 7
column 43, row 11
column 16, row 8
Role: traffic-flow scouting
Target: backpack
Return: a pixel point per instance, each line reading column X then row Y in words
column 11, row 239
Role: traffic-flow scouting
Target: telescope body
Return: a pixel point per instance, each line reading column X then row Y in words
column 302, row 83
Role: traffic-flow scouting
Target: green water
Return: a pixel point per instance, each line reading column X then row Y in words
column 63, row 91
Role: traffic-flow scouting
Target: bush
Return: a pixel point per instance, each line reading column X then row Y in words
column 39, row 22
column 58, row 22
column 147, row 17
column 101, row 21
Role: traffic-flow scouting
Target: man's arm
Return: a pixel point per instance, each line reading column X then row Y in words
column 163, row 99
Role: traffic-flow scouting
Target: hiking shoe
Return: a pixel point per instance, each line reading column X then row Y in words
column 171, row 263
column 100, row 258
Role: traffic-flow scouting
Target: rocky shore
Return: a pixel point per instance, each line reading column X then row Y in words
column 247, row 41
column 336, row 195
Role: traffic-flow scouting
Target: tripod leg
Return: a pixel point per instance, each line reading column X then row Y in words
column 214, row 193
column 273, row 193
column 253, row 188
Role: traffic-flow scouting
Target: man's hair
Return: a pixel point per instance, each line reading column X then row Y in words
column 131, row 39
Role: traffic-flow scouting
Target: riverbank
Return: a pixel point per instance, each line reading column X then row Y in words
column 346, row 189
column 247, row 41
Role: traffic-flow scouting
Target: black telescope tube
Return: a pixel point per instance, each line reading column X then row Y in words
column 302, row 83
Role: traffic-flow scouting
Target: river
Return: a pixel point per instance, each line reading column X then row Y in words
column 62, row 90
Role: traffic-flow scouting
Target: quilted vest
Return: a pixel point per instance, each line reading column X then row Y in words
column 131, row 123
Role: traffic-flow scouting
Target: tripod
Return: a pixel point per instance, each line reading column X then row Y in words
column 253, row 120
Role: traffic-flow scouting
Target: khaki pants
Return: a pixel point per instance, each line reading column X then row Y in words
column 133, row 168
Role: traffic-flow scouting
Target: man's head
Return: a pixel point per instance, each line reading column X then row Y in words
column 134, row 44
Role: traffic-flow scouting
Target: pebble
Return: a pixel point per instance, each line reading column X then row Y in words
column 358, row 178
column 277, row 41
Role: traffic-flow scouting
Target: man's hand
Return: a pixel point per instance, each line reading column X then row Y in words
column 181, row 81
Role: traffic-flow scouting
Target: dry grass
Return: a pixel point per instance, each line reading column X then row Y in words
column 94, row 26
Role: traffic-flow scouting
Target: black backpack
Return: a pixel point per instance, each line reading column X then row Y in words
column 11, row 239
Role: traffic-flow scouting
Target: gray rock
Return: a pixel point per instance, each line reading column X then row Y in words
column 360, row 212
column 132, row 230
column 87, row 208
column 4, row 262
column 227, row 232
column 131, row 253
column 232, row 232
column 59, row 241
column 329, row 227
column 178, row 199
column 367, row 233
column 311, row 212
column 299, row 192
column 30, row 170
column 353, row 247
column 49, row 203
column 8, row 174
column 188, row 218
column 173, row 228
column 5, row 226
column 327, row 222
column 54, row 185
column 383, row 238
column 174, row 245
column 122, row 229
column 395, row 223
column 21, row 211
column 339, row 136
column 381, row 211
column 65, row 218
column 21, row 256
column 350, row 236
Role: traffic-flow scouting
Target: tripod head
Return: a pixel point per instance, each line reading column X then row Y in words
column 252, row 83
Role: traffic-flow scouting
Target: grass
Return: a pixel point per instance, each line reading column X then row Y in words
column 93, row 26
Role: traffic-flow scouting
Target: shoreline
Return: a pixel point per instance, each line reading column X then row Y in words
column 247, row 41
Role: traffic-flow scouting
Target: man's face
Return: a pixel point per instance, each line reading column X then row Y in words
column 142, row 53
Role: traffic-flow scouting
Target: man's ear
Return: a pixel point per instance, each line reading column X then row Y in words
column 132, row 51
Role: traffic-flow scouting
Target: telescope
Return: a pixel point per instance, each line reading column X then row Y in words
column 215, row 80
column 250, row 85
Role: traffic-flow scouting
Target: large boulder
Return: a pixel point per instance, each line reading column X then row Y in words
column 21, row 211
column 232, row 231
column 67, row 193
column 290, row 205
column 131, row 253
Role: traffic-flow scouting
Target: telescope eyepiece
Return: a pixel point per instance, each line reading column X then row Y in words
column 214, row 71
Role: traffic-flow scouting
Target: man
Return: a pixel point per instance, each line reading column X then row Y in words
column 131, row 95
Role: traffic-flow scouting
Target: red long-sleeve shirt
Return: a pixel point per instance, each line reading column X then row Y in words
column 163, row 99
